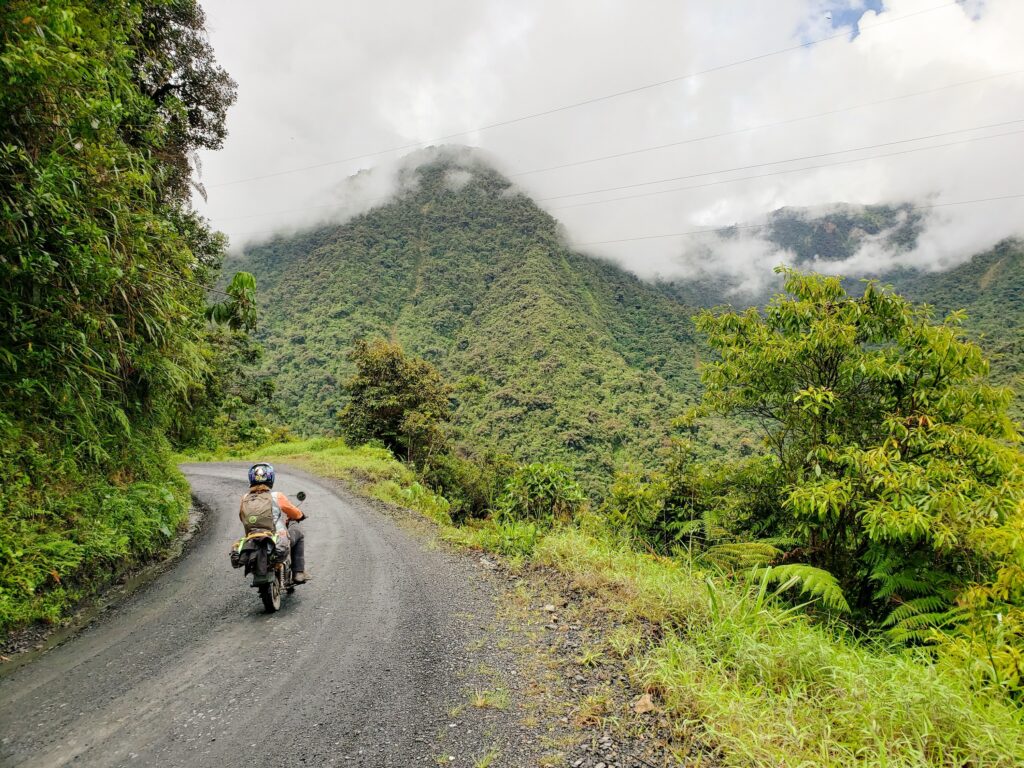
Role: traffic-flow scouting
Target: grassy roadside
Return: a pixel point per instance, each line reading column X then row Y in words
column 743, row 680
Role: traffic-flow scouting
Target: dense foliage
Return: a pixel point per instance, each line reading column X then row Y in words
column 541, row 493
column 399, row 400
column 104, row 269
column 895, row 475
column 990, row 290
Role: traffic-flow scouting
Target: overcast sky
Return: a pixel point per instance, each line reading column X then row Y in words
column 320, row 81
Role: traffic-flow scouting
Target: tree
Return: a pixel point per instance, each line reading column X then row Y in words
column 897, row 468
column 238, row 311
column 176, row 69
column 105, row 265
column 400, row 400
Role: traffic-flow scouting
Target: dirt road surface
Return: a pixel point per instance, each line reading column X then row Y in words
column 360, row 667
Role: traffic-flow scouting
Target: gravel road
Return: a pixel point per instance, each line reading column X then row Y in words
column 362, row 666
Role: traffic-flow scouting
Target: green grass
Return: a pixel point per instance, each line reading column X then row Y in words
column 371, row 470
column 740, row 675
column 763, row 685
column 490, row 699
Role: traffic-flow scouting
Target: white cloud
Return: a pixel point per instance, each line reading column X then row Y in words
column 321, row 80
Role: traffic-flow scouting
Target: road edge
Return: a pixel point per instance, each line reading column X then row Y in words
column 120, row 587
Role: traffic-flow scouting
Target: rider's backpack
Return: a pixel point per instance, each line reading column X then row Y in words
column 257, row 511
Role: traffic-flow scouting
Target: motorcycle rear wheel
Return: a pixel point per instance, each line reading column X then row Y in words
column 270, row 594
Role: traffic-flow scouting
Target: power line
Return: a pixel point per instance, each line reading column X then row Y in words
column 748, row 178
column 761, row 126
column 676, row 143
column 585, row 102
column 760, row 175
column 787, row 160
column 757, row 176
column 735, row 227
column 787, row 170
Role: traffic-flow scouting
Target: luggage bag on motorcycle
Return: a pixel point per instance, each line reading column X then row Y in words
column 258, row 556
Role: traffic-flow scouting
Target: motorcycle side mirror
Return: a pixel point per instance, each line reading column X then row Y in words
column 301, row 495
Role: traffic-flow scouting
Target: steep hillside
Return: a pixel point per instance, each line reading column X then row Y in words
column 837, row 233
column 554, row 355
column 990, row 288
column 810, row 239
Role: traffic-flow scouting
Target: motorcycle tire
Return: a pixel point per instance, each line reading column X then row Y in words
column 270, row 594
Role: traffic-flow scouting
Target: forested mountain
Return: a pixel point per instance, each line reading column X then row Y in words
column 990, row 289
column 552, row 354
column 809, row 239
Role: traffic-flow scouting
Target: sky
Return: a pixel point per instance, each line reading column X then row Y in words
column 761, row 105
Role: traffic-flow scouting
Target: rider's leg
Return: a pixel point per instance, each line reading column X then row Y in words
column 298, row 543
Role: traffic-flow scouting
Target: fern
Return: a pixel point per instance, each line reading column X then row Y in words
column 742, row 554
column 815, row 582
column 706, row 527
column 905, row 582
column 917, row 620
column 922, row 598
column 931, row 604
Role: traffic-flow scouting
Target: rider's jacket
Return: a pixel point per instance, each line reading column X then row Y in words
column 290, row 510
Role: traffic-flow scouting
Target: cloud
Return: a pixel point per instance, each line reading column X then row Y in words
column 320, row 81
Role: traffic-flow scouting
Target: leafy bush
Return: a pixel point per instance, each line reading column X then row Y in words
column 415, row 496
column 515, row 539
column 398, row 399
column 543, row 493
column 56, row 546
column 472, row 484
column 635, row 505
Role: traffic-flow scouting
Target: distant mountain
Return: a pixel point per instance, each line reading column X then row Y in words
column 838, row 232
column 989, row 286
column 813, row 239
column 555, row 355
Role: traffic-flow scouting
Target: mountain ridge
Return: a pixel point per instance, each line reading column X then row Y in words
column 553, row 354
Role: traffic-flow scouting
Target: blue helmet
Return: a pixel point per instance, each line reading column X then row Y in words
column 261, row 474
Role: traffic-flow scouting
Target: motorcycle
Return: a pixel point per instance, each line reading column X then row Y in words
column 271, row 569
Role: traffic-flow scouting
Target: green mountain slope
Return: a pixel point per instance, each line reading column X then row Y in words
column 990, row 288
column 554, row 355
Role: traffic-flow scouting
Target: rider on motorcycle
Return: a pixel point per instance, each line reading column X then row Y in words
column 261, row 480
